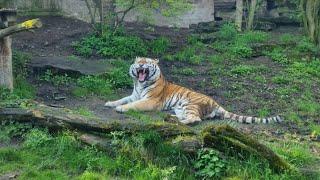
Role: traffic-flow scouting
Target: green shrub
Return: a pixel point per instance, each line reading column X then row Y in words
column 159, row 46
column 278, row 55
column 118, row 75
column 305, row 45
column 227, row 32
column 95, row 85
column 241, row 50
column 252, row 37
column 112, row 45
column 56, row 80
column 23, row 89
column 209, row 164
column 37, row 138
column 243, row 70
column 19, row 63
column 288, row 39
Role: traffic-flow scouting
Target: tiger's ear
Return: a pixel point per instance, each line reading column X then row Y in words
column 156, row 61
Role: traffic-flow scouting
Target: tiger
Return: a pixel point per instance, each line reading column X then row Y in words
column 153, row 92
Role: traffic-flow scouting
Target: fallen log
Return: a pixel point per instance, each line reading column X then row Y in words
column 52, row 117
column 221, row 137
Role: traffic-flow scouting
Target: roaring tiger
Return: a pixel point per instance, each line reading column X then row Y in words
column 152, row 92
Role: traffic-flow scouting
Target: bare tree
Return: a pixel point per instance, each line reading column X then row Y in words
column 114, row 17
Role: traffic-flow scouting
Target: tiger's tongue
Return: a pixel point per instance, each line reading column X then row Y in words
column 142, row 76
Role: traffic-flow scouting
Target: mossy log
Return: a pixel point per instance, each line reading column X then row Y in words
column 227, row 139
column 222, row 138
column 52, row 117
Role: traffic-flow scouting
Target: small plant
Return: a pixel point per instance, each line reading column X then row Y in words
column 159, row 46
column 250, row 37
column 95, row 85
column 209, row 164
column 243, row 70
column 111, row 44
column 9, row 129
column 185, row 71
column 277, row 55
column 241, row 50
column 281, row 80
column 305, row 45
column 227, row 32
column 56, row 80
column 288, row 39
column 84, row 111
column 19, row 63
column 37, row 138
column 119, row 76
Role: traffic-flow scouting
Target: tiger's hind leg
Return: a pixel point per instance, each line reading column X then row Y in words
column 187, row 116
column 191, row 119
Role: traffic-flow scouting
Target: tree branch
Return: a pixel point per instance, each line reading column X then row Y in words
column 30, row 24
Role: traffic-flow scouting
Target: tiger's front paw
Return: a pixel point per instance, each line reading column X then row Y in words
column 121, row 109
column 110, row 104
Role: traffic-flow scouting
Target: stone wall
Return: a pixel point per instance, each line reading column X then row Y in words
column 202, row 11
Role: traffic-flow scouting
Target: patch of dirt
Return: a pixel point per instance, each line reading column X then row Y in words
column 53, row 39
column 58, row 33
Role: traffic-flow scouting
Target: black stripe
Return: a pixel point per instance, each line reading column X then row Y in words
column 168, row 102
column 253, row 120
column 152, row 74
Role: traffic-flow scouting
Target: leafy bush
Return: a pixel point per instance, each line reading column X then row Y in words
column 288, row 39
column 238, row 44
column 37, row 138
column 159, row 46
column 241, row 50
column 277, row 55
column 110, row 44
column 19, row 63
column 95, row 85
column 209, row 164
column 252, row 37
column 119, row 76
column 243, row 70
column 305, row 45
column 227, row 32
column 57, row 80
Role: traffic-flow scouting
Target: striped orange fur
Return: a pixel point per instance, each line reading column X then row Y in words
column 152, row 92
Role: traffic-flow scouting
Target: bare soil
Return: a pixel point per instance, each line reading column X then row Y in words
column 58, row 34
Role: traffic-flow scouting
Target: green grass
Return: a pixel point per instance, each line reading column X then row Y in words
column 185, row 71
column 84, row 111
column 112, row 45
column 61, row 156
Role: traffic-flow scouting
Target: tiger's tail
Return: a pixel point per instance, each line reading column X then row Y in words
column 246, row 119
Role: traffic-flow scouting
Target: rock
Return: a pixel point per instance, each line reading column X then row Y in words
column 264, row 26
column 63, row 65
column 281, row 21
column 203, row 27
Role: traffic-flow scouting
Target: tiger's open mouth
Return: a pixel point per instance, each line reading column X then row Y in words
column 143, row 74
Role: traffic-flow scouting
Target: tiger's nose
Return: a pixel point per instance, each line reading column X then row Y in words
column 141, row 65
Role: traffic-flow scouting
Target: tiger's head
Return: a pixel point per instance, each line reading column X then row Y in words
column 145, row 69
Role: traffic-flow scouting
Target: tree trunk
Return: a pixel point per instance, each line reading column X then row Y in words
column 6, row 75
column 239, row 14
column 252, row 10
column 311, row 19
